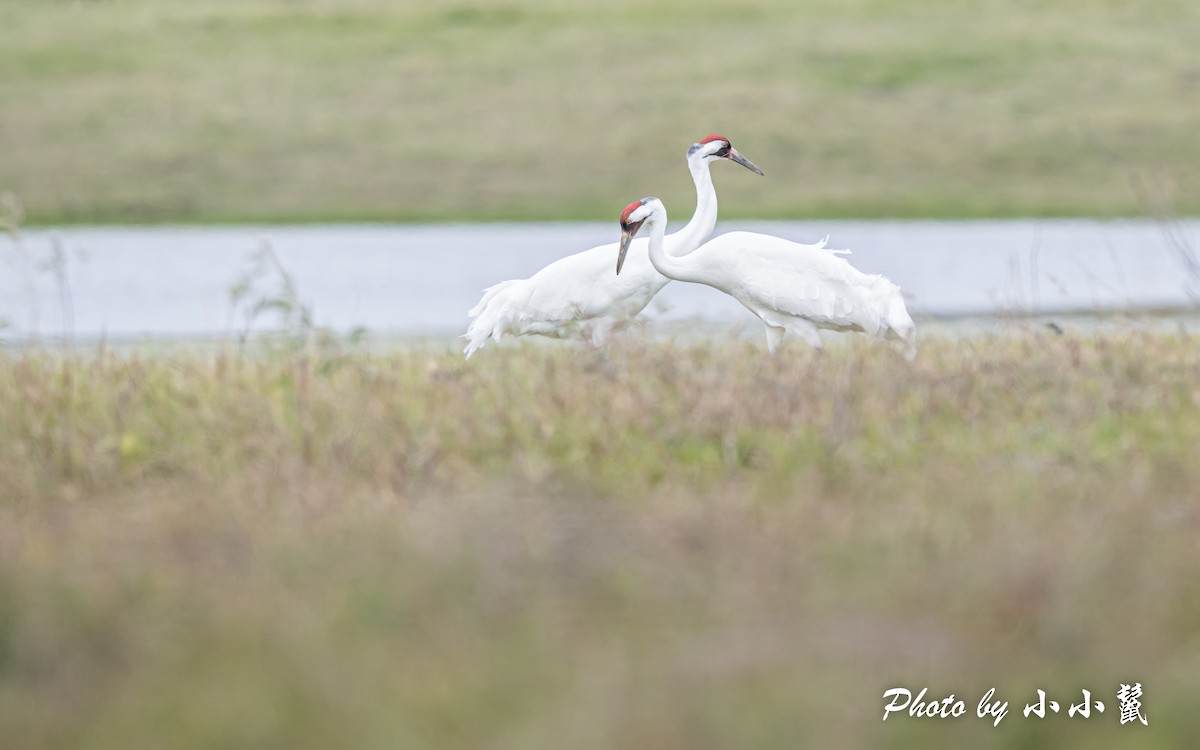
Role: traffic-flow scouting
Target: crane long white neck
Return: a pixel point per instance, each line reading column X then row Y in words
column 704, row 220
column 675, row 267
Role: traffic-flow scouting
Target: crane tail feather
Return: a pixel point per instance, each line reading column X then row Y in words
column 488, row 295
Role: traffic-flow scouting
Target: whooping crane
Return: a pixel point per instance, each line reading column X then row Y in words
column 579, row 294
column 792, row 288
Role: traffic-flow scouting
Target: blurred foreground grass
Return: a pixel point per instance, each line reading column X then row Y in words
column 674, row 547
column 307, row 110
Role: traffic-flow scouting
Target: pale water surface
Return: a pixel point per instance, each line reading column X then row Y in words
column 131, row 283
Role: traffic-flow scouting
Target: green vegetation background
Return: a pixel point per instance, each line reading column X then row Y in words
column 315, row 110
column 673, row 547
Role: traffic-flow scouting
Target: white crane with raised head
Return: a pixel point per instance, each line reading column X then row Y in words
column 792, row 288
column 578, row 294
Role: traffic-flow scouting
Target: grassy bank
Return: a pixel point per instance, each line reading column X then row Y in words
column 679, row 546
column 166, row 110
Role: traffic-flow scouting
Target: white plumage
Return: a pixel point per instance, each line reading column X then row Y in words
column 792, row 288
column 579, row 295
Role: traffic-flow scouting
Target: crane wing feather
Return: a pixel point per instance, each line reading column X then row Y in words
column 778, row 279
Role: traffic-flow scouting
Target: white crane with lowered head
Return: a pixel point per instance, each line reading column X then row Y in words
column 792, row 288
column 578, row 294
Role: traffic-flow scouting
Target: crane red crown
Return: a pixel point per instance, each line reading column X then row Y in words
column 628, row 210
column 714, row 137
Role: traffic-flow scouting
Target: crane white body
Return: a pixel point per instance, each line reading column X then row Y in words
column 579, row 295
column 793, row 288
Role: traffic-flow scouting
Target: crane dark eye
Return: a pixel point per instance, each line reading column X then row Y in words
column 724, row 151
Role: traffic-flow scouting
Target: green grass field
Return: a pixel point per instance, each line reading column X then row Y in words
column 315, row 110
column 675, row 546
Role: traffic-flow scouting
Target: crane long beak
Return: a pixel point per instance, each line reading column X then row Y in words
column 626, row 241
column 735, row 156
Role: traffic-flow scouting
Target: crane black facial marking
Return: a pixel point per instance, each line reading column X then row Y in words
column 723, row 153
column 630, row 209
column 632, row 227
